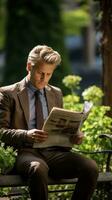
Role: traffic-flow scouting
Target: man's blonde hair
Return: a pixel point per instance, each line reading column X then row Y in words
column 43, row 53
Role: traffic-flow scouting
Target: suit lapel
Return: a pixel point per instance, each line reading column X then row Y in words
column 50, row 98
column 23, row 98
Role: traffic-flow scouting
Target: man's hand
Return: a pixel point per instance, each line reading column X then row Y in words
column 78, row 138
column 35, row 135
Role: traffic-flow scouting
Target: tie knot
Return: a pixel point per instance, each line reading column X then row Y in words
column 37, row 92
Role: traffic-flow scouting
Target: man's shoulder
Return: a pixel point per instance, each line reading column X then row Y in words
column 53, row 88
column 10, row 88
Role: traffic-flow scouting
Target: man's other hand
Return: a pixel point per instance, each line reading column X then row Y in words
column 78, row 138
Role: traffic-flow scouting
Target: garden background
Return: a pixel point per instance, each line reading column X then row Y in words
column 80, row 31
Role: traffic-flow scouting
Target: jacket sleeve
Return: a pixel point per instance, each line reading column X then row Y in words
column 11, row 137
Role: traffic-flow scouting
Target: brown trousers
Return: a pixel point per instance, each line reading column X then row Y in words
column 57, row 163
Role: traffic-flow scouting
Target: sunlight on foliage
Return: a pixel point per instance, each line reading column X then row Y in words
column 70, row 101
column 93, row 94
column 74, row 20
column 7, row 158
column 72, row 82
column 97, row 122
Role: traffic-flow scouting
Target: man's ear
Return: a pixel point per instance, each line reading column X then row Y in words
column 29, row 66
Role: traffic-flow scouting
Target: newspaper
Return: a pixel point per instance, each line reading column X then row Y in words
column 62, row 124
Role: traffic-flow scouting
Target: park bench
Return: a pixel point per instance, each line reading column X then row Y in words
column 15, row 180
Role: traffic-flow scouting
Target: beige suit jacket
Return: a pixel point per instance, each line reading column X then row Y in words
column 14, row 111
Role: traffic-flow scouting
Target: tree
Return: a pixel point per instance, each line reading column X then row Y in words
column 106, row 50
column 2, row 23
column 30, row 23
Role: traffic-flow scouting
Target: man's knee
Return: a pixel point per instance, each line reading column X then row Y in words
column 38, row 169
column 92, row 168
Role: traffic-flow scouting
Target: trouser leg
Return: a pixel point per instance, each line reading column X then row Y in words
column 36, row 170
column 38, row 181
column 71, row 165
column 87, row 180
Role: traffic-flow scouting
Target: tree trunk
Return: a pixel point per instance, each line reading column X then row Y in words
column 106, row 50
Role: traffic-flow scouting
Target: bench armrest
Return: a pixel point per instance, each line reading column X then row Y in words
column 109, row 136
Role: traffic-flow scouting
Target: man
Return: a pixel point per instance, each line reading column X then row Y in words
column 20, row 127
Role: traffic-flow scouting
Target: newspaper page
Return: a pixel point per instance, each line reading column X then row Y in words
column 62, row 124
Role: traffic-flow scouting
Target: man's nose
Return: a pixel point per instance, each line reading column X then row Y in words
column 43, row 76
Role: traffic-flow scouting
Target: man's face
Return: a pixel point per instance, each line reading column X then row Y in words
column 40, row 75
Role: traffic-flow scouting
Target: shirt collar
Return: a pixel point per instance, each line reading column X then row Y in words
column 32, row 88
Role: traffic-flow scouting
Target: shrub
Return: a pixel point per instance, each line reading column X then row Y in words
column 7, row 159
column 97, row 122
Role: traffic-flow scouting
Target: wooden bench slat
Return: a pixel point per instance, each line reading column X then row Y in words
column 11, row 180
column 105, row 177
column 16, row 180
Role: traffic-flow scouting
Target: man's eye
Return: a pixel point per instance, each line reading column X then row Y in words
column 39, row 72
